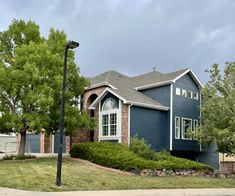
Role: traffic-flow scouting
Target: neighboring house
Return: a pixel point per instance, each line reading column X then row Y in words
column 160, row 108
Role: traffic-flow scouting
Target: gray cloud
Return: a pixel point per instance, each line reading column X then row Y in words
column 133, row 36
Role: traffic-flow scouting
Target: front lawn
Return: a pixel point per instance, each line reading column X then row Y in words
column 39, row 175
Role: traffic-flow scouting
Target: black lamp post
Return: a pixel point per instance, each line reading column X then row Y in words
column 69, row 45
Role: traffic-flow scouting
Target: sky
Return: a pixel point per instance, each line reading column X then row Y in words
column 133, row 36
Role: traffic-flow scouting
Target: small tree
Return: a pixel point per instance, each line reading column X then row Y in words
column 31, row 73
column 218, row 109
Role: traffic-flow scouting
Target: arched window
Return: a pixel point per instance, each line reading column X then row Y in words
column 109, row 118
column 110, row 104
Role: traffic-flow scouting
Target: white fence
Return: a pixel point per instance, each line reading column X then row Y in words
column 8, row 144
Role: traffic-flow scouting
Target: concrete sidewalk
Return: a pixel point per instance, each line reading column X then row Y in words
column 153, row 192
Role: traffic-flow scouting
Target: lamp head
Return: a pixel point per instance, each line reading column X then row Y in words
column 72, row 45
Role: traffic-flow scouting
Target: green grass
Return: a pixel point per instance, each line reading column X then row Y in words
column 39, row 175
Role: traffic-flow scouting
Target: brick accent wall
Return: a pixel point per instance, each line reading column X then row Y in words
column 88, row 93
column 124, row 127
column 86, row 104
column 45, row 143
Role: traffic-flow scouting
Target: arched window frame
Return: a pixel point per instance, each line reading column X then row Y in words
column 110, row 121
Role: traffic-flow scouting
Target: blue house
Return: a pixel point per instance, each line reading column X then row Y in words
column 161, row 108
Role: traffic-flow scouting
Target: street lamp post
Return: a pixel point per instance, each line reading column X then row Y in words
column 69, row 45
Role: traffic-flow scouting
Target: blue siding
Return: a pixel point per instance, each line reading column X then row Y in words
column 161, row 94
column 185, row 107
column 150, row 125
column 210, row 156
column 32, row 144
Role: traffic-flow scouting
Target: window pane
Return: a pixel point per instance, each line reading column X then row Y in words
column 177, row 133
column 105, row 130
column 190, row 94
column 187, row 125
column 113, row 129
column 110, row 104
column 177, row 122
column 113, row 118
column 105, row 119
column 177, row 128
column 184, row 93
column 177, row 91
column 195, row 96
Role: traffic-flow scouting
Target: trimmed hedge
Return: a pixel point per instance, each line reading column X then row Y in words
column 120, row 157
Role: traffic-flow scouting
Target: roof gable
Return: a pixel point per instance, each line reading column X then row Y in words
column 127, row 88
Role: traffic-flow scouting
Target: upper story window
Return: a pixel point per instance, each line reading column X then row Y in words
column 184, row 93
column 178, row 91
column 189, row 94
column 195, row 95
column 110, row 104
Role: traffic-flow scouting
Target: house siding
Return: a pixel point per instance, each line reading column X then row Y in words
column 150, row 125
column 185, row 107
column 162, row 95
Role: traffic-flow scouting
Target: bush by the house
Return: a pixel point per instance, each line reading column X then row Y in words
column 143, row 149
column 120, row 157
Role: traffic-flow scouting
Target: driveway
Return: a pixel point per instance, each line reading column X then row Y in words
column 156, row 192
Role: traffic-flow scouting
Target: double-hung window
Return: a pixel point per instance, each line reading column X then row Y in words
column 186, row 127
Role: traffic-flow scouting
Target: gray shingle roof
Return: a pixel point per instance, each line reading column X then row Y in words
column 125, row 86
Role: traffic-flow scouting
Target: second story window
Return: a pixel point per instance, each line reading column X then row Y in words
column 184, row 93
column 177, row 127
column 195, row 95
column 178, row 91
column 186, row 127
column 189, row 94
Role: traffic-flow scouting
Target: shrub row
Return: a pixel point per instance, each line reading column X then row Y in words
column 120, row 157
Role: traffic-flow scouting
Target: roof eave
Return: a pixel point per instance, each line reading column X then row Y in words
column 145, row 105
column 100, row 85
column 154, row 85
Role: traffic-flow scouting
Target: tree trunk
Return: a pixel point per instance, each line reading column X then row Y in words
column 22, row 143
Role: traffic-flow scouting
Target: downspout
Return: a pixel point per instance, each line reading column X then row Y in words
column 129, row 123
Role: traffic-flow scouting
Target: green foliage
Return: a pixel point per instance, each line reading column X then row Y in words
column 18, row 157
column 31, row 73
column 141, row 148
column 218, row 109
column 120, row 157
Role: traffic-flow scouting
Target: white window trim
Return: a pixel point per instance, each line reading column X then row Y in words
column 179, row 90
column 177, row 127
column 182, row 130
column 119, row 123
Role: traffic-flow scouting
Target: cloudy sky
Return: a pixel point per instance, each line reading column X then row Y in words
column 133, row 36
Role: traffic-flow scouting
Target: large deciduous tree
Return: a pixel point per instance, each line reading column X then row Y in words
column 31, row 73
column 218, row 109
